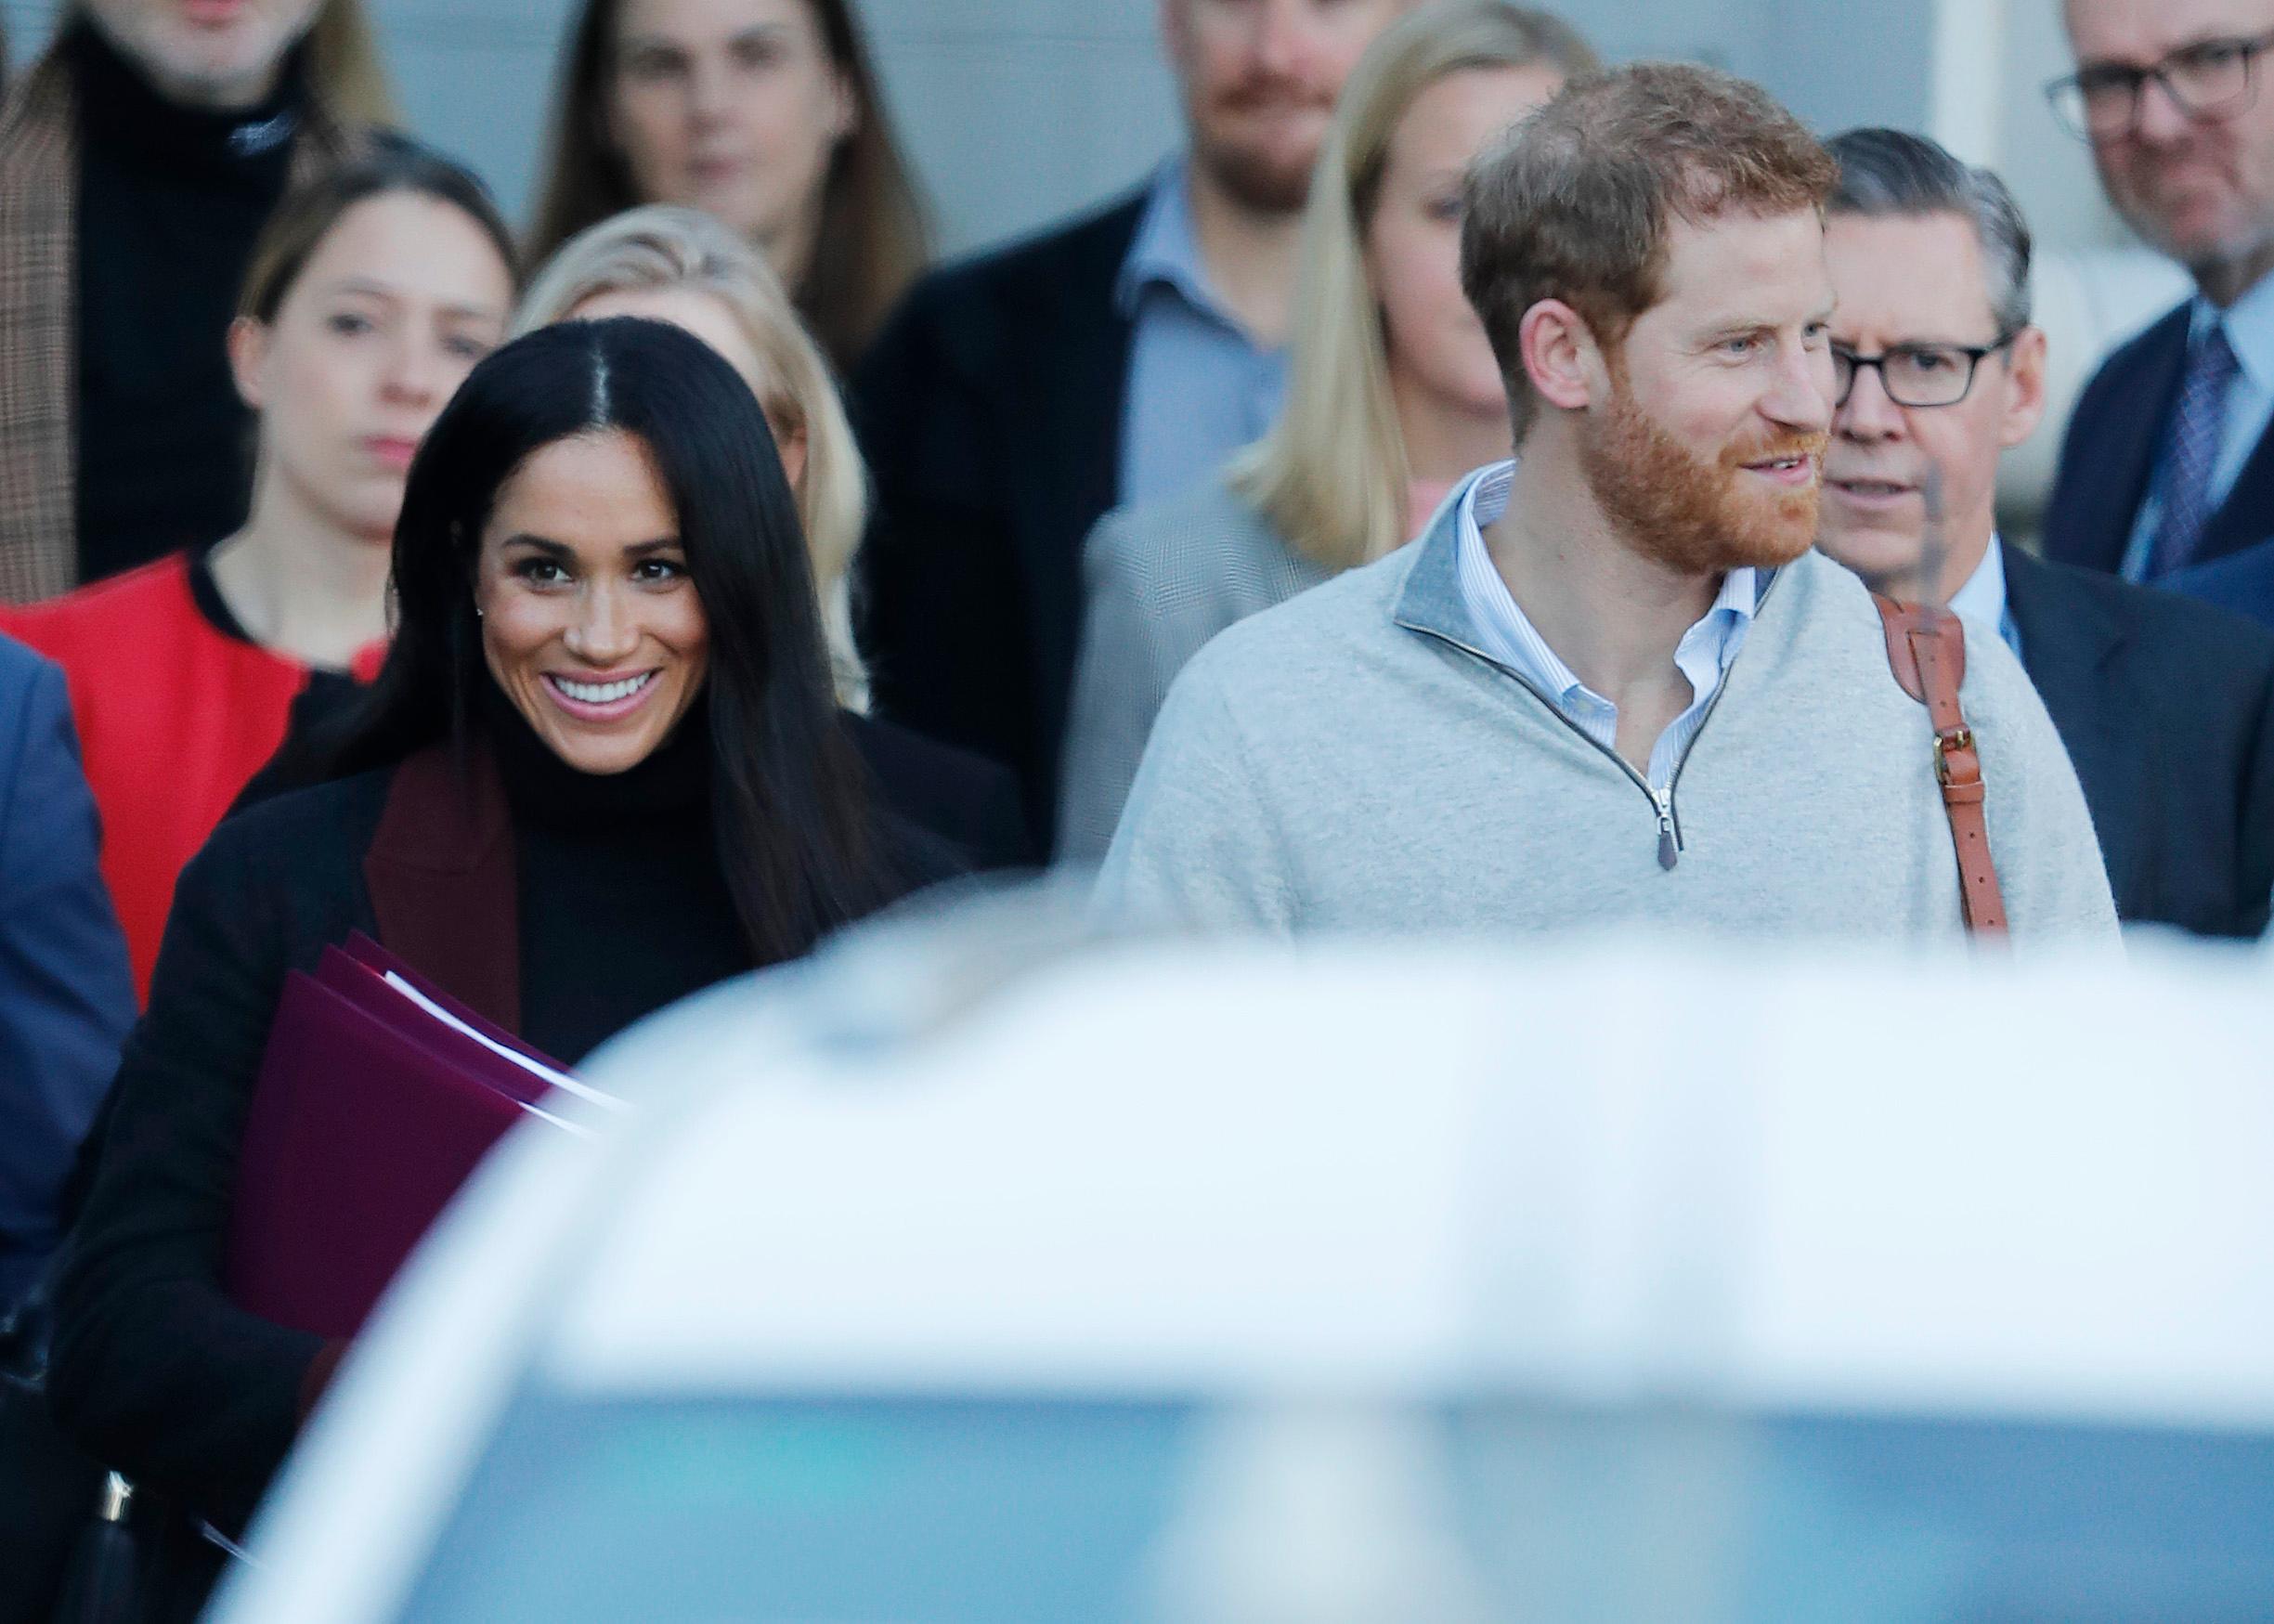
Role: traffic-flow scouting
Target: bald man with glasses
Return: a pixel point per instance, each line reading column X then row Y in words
column 2168, row 463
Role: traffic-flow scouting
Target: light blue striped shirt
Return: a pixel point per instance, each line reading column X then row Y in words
column 2249, row 409
column 1704, row 655
column 1199, row 388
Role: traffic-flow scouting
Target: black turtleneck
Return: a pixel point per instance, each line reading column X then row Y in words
column 622, row 910
column 170, row 201
column 623, row 905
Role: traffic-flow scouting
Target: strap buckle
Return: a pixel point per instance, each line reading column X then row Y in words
column 1957, row 738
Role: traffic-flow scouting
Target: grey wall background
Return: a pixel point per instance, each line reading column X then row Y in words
column 1017, row 111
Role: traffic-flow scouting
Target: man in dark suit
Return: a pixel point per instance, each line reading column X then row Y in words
column 1015, row 398
column 66, row 998
column 2242, row 582
column 2168, row 460
column 2166, row 706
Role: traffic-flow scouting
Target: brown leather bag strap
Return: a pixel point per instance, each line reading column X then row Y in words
column 1926, row 648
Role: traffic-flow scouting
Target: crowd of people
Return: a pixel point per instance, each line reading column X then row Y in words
column 1462, row 489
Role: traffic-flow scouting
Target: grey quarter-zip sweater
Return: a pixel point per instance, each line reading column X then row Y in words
column 1350, row 761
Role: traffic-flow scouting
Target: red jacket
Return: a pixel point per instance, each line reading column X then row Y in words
column 176, row 710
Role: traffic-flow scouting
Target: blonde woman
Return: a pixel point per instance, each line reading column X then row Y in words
column 1393, row 392
column 668, row 262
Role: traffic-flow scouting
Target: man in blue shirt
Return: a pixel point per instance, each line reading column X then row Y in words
column 1018, row 396
column 2167, row 706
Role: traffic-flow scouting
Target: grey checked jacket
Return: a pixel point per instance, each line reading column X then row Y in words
column 1157, row 582
column 39, row 191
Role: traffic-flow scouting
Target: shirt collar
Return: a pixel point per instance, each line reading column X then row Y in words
column 1983, row 598
column 2249, row 329
column 1484, row 498
column 1479, row 500
column 1165, row 252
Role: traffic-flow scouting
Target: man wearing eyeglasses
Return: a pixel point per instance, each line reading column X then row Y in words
column 2168, row 462
column 2166, row 706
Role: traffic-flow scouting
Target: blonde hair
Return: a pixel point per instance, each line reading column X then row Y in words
column 1332, row 473
column 662, row 248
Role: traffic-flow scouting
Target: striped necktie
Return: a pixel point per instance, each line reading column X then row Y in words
column 2192, row 451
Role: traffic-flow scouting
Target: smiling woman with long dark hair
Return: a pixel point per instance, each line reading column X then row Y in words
column 589, row 432
column 602, row 768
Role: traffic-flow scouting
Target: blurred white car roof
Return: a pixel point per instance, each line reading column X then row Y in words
column 974, row 1153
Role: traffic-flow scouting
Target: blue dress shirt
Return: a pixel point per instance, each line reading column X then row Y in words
column 1704, row 655
column 1983, row 598
column 2250, row 407
column 1200, row 387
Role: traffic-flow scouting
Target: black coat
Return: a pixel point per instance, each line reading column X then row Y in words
column 2167, row 709
column 2242, row 582
column 2109, row 452
column 966, row 802
column 155, row 1372
column 990, row 410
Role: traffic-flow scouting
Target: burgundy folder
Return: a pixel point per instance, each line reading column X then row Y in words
column 363, row 985
column 367, row 1116
column 362, row 950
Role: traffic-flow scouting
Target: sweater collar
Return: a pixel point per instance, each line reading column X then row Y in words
column 140, row 125
column 1432, row 601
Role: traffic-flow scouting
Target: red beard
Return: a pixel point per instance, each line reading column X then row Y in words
column 1694, row 517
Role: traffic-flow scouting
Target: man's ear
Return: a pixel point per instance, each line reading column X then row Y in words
column 2024, row 388
column 1560, row 355
column 248, row 347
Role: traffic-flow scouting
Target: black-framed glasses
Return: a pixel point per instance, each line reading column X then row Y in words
column 1916, row 374
column 2209, row 80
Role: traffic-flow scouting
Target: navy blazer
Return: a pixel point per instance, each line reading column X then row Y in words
column 66, row 995
column 2167, row 709
column 2109, row 452
column 2242, row 583
column 990, row 411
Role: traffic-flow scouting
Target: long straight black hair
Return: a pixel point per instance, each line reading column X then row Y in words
column 796, row 830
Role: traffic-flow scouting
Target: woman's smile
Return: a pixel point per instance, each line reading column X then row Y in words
column 600, row 698
column 591, row 621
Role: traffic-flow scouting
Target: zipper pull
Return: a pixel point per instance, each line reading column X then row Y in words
column 1667, row 852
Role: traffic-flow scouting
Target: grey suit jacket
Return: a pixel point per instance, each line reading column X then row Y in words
column 1158, row 581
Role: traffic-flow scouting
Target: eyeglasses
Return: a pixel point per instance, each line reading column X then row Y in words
column 2209, row 80
column 1916, row 374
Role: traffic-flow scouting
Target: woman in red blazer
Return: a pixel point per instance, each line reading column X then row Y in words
column 370, row 295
